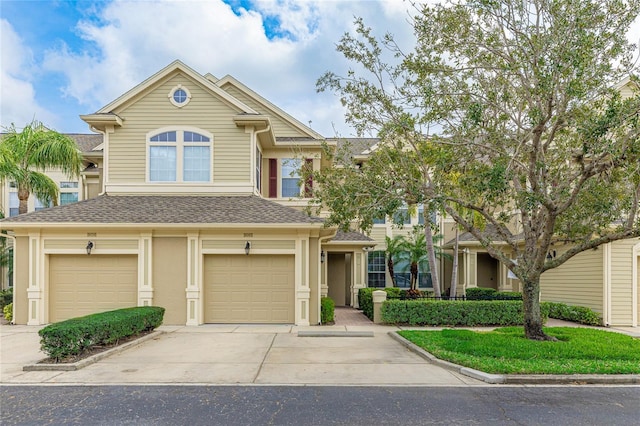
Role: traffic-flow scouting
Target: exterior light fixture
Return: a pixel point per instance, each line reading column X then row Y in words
column 89, row 247
column 247, row 248
column 322, row 256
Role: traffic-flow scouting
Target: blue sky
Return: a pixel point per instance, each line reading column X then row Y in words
column 61, row 59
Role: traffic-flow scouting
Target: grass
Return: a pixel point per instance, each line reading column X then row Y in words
column 507, row 351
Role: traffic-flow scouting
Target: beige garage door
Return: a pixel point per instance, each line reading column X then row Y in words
column 81, row 285
column 249, row 289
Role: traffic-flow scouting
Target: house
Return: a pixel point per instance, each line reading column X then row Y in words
column 193, row 203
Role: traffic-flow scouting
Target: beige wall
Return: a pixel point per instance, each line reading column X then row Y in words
column 169, row 279
column 578, row 282
column 20, row 308
column 337, row 278
column 231, row 158
column 622, row 281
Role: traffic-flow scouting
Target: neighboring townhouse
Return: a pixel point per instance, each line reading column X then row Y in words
column 199, row 211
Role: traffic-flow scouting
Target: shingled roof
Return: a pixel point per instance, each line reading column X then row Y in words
column 351, row 236
column 86, row 142
column 147, row 209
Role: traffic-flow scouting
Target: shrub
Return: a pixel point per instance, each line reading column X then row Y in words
column 6, row 297
column 7, row 311
column 578, row 314
column 479, row 293
column 454, row 313
column 327, row 309
column 365, row 298
column 74, row 336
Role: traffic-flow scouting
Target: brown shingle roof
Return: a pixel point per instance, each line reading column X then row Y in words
column 86, row 142
column 110, row 209
column 351, row 236
column 489, row 230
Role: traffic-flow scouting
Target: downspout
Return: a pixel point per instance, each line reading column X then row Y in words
column 13, row 273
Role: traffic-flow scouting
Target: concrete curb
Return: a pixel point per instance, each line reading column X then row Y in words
column 73, row 366
column 521, row 379
column 335, row 333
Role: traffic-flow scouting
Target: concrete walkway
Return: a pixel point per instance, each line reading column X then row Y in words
column 245, row 354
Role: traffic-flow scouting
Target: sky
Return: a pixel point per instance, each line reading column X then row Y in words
column 60, row 59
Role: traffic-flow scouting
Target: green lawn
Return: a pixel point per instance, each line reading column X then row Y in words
column 507, row 351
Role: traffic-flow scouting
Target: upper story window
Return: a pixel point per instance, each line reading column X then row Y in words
column 291, row 177
column 14, row 203
column 68, row 192
column 402, row 216
column 179, row 96
column 179, row 156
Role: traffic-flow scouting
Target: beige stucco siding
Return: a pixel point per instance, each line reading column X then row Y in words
column 622, row 281
column 127, row 145
column 314, row 285
column 577, row 282
column 170, row 278
column 280, row 127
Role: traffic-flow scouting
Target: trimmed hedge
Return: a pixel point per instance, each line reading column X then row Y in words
column 7, row 312
column 365, row 298
column 327, row 310
column 479, row 293
column 455, row 313
column 578, row 314
column 74, row 336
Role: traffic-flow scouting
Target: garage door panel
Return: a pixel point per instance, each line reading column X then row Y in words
column 249, row 289
column 82, row 285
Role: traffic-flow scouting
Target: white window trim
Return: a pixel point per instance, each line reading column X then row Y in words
column 179, row 144
column 173, row 101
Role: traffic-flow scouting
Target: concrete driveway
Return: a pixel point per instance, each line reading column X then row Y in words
column 230, row 354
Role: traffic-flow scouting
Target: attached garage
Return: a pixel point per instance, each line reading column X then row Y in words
column 249, row 289
column 81, row 285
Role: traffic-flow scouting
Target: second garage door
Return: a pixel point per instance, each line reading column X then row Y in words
column 81, row 285
column 249, row 289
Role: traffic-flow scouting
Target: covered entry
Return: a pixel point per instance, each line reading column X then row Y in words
column 81, row 285
column 249, row 289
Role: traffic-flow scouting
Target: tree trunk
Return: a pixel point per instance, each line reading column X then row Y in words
column 531, row 307
column 414, row 275
column 431, row 253
column 391, row 271
column 23, row 196
column 454, row 269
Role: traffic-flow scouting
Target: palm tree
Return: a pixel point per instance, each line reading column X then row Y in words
column 416, row 253
column 394, row 246
column 25, row 155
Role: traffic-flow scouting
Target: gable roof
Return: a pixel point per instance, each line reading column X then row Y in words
column 265, row 103
column 163, row 209
column 87, row 143
column 166, row 71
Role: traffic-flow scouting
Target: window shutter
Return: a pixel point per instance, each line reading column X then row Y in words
column 308, row 185
column 273, row 178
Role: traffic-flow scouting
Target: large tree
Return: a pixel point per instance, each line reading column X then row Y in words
column 26, row 154
column 508, row 109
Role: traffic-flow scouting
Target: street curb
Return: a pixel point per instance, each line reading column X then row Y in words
column 329, row 333
column 521, row 379
column 73, row 366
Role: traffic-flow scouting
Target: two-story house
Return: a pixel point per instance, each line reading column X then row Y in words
column 199, row 211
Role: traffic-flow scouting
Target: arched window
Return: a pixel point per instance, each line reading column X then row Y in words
column 179, row 156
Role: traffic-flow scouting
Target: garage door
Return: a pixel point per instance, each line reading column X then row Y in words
column 81, row 285
column 249, row 289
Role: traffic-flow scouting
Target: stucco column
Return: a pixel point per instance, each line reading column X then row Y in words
column 145, row 289
column 195, row 315
column 359, row 274
column 35, row 291
column 379, row 296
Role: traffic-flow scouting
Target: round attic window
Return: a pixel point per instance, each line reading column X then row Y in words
column 179, row 96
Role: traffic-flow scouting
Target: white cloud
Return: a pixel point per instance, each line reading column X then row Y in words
column 17, row 95
column 132, row 40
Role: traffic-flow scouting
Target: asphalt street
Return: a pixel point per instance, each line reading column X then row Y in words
column 319, row 405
